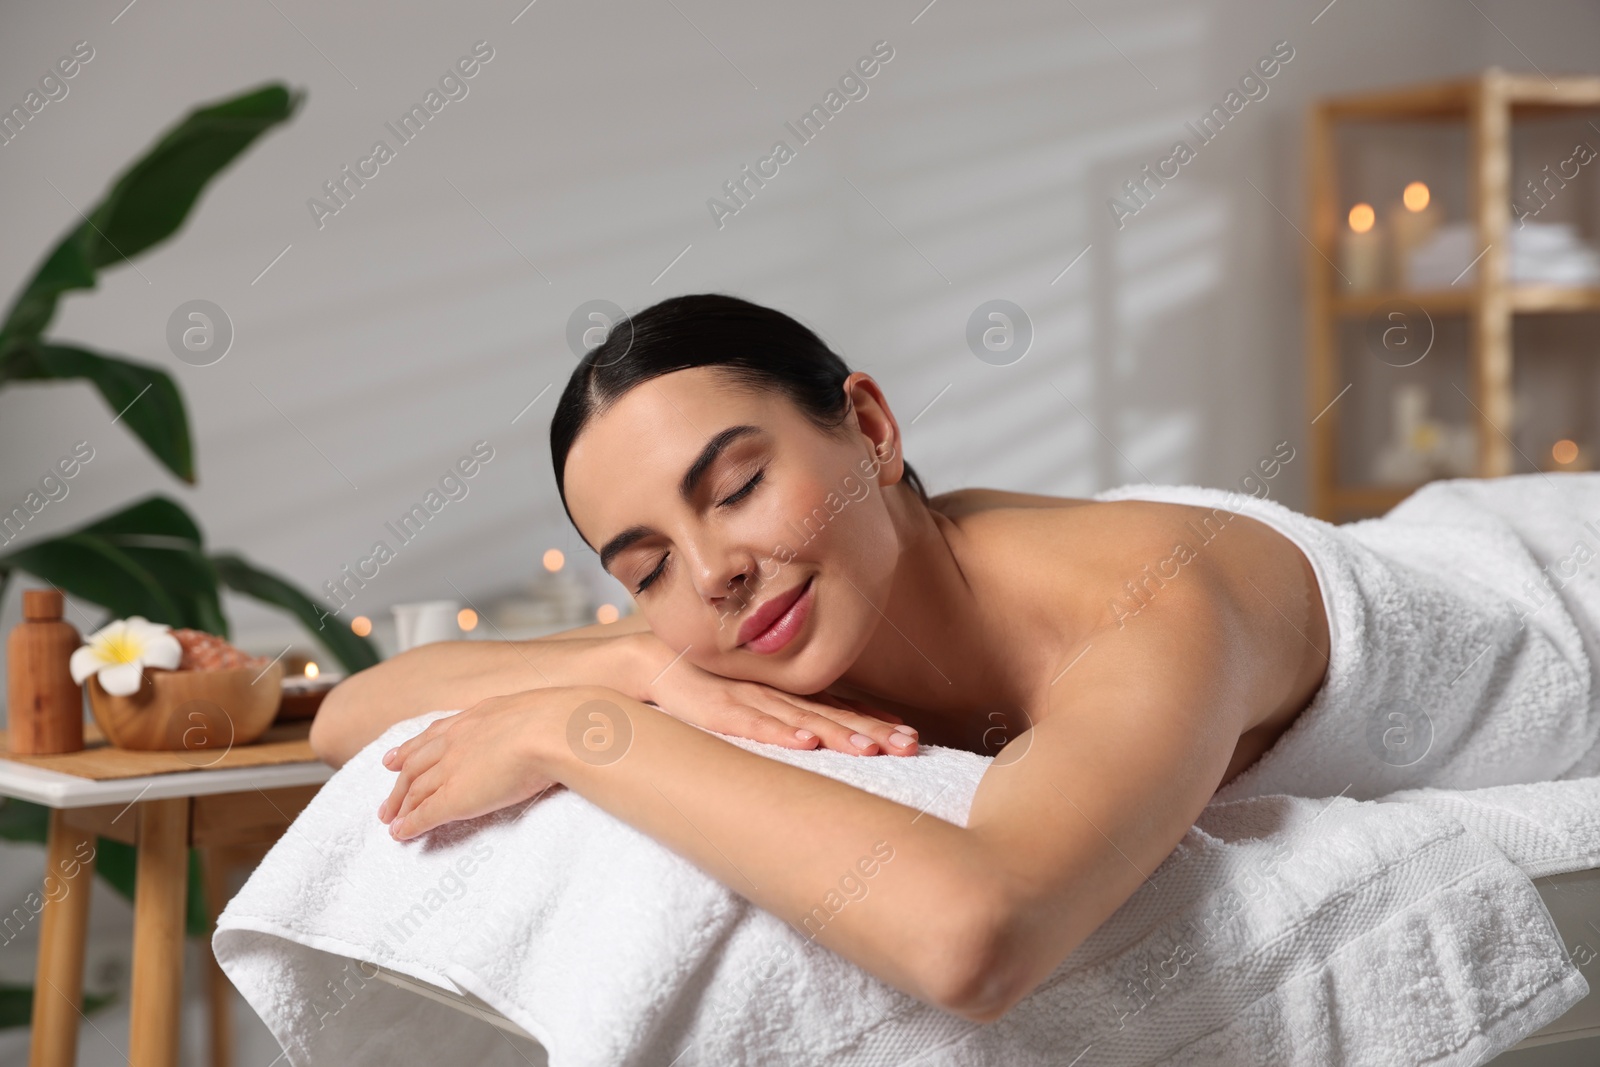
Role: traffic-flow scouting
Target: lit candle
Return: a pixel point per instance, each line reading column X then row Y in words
column 1361, row 250
column 1415, row 219
column 1567, row 455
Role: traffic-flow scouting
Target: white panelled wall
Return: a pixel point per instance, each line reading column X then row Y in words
column 386, row 339
column 374, row 349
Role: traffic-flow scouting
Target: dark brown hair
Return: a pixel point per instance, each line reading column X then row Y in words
column 755, row 345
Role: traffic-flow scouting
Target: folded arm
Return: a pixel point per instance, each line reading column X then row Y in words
column 1065, row 825
column 457, row 674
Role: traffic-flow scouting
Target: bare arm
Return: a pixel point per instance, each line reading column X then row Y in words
column 629, row 624
column 1064, row 827
column 897, row 891
column 625, row 656
column 446, row 675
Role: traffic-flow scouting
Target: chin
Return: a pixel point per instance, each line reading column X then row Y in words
column 832, row 645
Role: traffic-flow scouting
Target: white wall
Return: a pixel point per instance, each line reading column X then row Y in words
column 411, row 325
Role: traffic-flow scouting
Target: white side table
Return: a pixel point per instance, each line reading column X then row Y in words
column 247, row 798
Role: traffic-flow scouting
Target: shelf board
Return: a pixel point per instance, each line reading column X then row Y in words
column 1524, row 298
column 1528, row 95
column 1433, row 301
column 1554, row 298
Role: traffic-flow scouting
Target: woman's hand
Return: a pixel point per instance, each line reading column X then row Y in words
column 763, row 713
column 467, row 764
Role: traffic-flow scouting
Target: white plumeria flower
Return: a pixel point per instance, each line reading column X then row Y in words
column 119, row 651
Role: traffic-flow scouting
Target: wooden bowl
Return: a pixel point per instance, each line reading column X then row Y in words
column 301, row 703
column 204, row 712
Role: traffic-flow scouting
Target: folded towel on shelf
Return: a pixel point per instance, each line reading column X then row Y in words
column 1465, row 628
column 1548, row 253
column 1282, row 930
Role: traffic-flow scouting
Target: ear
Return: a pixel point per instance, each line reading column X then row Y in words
column 877, row 430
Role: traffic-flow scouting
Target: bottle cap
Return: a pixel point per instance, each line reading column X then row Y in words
column 42, row 605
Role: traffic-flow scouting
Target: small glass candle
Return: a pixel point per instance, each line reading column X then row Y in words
column 1361, row 250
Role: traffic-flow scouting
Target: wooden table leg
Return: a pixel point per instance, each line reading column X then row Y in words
column 219, row 864
column 160, row 891
column 58, row 982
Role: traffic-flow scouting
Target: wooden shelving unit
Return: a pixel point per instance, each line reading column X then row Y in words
column 1488, row 104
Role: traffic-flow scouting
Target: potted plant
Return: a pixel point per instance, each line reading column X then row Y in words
column 149, row 558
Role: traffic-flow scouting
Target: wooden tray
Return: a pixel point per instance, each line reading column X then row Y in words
column 284, row 742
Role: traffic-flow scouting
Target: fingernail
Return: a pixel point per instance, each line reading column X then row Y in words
column 804, row 735
column 906, row 730
column 389, row 755
column 862, row 740
column 900, row 741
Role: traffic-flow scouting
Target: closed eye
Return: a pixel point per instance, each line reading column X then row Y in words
column 744, row 491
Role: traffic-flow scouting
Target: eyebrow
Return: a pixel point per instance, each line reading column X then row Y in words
column 686, row 488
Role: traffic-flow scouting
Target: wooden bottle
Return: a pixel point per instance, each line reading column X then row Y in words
column 44, row 706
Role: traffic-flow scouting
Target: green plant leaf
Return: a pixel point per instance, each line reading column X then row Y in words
column 354, row 653
column 159, row 535
column 146, row 559
column 153, row 197
column 154, row 516
column 23, row 820
column 144, row 397
column 16, row 1004
column 196, row 920
column 117, row 863
column 90, row 568
column 67, row 267
column 148, row 202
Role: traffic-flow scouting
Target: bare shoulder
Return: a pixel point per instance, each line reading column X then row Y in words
column 1137, row 568
column 959, row 502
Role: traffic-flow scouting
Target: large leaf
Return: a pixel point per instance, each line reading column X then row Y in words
column 91, row 569
column 151, row 518
column 148, row 202
column 165, row 540
column 23, row 820
column 142, row 396
column 149, row 559
column 355, row 653
column 16, row 1004
column 146, row 559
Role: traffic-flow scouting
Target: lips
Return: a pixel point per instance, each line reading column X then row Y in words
column 776, row 608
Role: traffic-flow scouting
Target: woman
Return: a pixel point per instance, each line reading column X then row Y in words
column 795, row 585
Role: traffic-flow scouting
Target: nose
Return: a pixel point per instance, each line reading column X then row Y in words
column 722, row 575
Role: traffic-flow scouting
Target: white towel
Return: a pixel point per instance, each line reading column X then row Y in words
column 1282, row 930
column 1466, row 637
